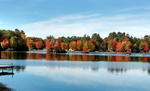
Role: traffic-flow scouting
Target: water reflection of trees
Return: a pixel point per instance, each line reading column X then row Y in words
column 117, row 70
column 12, row 55
column 19, row 68
column 59, row 57
column 148, row 70
column 95, row 68
column 121, row 70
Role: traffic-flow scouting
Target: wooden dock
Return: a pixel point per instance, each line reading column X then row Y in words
column 6, row 70
column 5, row 66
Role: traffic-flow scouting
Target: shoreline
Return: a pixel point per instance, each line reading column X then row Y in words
column 111, row 54
column 81, row 52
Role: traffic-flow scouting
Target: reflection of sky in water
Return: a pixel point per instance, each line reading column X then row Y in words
column 88, row 76
column 80, row 76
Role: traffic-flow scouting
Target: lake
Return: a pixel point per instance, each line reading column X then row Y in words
column 41, row 71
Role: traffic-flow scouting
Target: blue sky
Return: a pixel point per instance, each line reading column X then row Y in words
column 76, row 17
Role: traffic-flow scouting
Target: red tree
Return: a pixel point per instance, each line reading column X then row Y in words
column 119, row 47
column 73, row 45
column 79, row 45
column 39, row 44
column 146, row 47
column 63, row 45
column 112, row 45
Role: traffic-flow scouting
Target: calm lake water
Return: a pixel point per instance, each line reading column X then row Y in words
column 40, row 71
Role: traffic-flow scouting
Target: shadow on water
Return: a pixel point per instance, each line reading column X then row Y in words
column 4, row 88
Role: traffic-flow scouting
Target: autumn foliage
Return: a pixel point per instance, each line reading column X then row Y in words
column 39, row 44
column 115, row 42
column 5, row 43
column 73, row 45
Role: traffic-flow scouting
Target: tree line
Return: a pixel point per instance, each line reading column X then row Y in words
column 115, row 42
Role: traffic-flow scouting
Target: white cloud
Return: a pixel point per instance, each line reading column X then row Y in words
column 135, row 8
column 78, row 25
